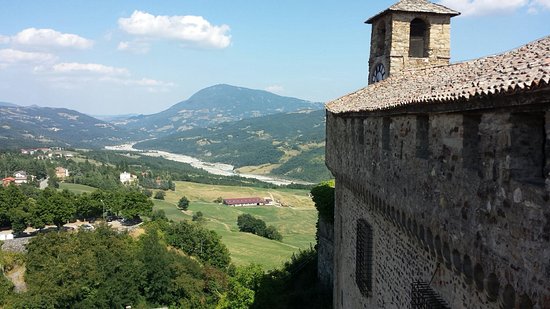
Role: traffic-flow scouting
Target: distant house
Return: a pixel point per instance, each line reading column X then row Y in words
column 20, row 177
column 244, row 201
column 61, row 173
column 127, row 178
column 7, row 181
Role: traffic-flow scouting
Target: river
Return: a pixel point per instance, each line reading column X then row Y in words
column 222, row 169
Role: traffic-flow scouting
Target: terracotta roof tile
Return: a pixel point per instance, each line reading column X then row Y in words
column 519, row 70
column 422, row 6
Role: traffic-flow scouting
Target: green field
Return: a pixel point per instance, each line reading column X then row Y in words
column 76, row 188
column 296, row 223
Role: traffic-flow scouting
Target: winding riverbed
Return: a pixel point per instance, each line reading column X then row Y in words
column 212, row 168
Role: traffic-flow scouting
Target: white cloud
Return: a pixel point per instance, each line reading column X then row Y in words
column 4, row 39
column 50, row 38
column 144, row 82
column 193, row 30
column 12, row 56
column 543, row 3
column 275, row 89
column 74, row 67
column 485, row 7
column 137, row 47
column 539, row 4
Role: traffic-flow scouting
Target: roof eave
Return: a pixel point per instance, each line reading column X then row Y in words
column 372, row 19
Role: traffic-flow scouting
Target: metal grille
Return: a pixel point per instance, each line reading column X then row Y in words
column 363, row 259
column 424, row 297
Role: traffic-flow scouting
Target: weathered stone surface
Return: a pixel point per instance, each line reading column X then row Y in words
column 325, row 253
column 439, row 209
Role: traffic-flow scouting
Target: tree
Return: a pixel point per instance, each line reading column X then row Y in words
column 271, row 232
column 198, row 217
column 250, row 224
column 242, row 287
column 183, row 203
column 196, row 240
column 159, row 195
column 148, row 192
column 56, row 208
column 155, row 274
column 135, row 203
column 218, row 200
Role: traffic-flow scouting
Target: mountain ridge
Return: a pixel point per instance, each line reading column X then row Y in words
column 213, row 105
column 25, row 126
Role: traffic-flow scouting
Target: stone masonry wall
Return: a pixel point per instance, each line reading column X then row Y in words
column 463, row 194
column 396, row 42
column 325, row 253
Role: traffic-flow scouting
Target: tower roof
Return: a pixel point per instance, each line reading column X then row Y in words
column 417, row 6
column 522, row 70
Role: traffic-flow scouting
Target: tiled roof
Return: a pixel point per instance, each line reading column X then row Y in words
column 422, row 6
column 520, row 70
column 243, row 200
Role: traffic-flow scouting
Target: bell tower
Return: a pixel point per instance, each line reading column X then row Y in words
column 409, row 34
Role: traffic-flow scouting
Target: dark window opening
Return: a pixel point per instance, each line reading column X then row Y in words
column 418, row 39
column 381, row 39
column 360, row 131
column 470, row 142
column 363, row 258
column 424, row 297
column 528, row 147
column 422, row 136
column 386, row 121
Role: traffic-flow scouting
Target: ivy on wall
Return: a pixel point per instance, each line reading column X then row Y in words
column 323, row 197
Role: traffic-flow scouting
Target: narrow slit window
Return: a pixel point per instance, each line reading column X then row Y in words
column 363, row 258
column 470, row 142
column 360, row 131
column 422, row 136
column 386, row 121
column 381, row 39
column 528, row 147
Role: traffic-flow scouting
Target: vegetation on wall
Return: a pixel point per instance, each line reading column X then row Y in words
column 323, row 197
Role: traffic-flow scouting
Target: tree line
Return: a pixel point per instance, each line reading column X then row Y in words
column 25, row 206
column 250, row 224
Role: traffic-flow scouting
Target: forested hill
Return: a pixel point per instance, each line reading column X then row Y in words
column 215, row 105
column 291, row 143
column 33, row 126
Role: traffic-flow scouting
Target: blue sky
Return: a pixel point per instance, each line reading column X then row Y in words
column 116, row 57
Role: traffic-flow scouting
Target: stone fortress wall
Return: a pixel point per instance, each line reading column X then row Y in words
column 456, row 195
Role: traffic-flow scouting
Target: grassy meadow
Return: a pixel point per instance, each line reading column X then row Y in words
column 76, row 188
column 295, row 221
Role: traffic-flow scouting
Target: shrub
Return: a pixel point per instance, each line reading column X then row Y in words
column 159, row 195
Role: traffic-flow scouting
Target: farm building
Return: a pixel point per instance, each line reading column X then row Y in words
column 244, row 201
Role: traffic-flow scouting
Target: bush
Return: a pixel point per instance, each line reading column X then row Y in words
column 159, row 195
column 183, row 203
column 198, row 217
column 250, row 224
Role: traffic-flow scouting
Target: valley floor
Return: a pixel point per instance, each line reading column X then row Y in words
column 295, row 220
